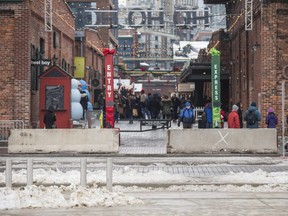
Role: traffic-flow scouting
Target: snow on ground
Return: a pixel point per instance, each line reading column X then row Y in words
column 93, row 195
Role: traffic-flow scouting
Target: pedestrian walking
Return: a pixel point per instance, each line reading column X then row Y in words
column 240, row 112
column 208, row 114
column 166, row 107
column 50, row 118
column 186, row 116
column 271, row 119
column 233, row 118
column 252, row 116
column 175, row 106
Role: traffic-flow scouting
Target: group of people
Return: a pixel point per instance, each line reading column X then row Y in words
column 147, row 106
column 252, row 117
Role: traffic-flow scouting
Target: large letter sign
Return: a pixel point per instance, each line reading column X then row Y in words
column 216, row 89
column 109, row 82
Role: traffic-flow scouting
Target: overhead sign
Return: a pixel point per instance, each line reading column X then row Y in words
column 40, row 62
column 88, row 14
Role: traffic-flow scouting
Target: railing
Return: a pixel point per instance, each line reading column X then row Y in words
column 197, row 111
column 7, row 125
column 83, row 173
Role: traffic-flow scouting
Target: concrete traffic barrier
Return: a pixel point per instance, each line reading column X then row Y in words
column 64, row 140
column 222, row 140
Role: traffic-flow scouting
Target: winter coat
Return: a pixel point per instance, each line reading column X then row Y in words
column 271, row 120
column 257, row 116
column 154, row 107
column 50, row 118
column 166, row 106
column 208, row 112
column 233, row 120
column 175, row 102
column 187, row 117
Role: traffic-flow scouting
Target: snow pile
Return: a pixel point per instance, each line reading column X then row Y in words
column 54, row 197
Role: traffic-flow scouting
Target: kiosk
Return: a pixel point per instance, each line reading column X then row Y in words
column 55, row 90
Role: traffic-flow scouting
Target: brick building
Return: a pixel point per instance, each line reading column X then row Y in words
column 24, row 38
column 257, row 59
column 27, row 34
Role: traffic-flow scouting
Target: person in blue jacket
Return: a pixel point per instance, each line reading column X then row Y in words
column 208, row 114
column 186, row 116
column 252, row 116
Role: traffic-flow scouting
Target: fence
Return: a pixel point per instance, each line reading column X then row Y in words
column 198, row 112
column 83, row 173
column 6, row 126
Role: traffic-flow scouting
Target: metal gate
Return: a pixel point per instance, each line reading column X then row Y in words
column 6, row 126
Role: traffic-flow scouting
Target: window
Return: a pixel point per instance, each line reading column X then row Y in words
column 34, row 78
column 54, row 96
column 42, row 46
column 55, row 39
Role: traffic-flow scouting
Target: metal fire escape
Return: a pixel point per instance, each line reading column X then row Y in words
column 48, row 15
column 248, row 15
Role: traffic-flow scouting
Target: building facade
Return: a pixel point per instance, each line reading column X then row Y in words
column 258, row 53
column 24, row 38
column 31, row 34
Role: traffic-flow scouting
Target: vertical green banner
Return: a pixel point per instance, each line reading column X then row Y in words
column 216, row 88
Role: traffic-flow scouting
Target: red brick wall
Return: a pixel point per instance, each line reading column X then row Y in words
column 257, row 73
column 274, row 48
column 22, row 25
column 14, row 62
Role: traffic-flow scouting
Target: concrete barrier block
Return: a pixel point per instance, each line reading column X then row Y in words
column 64, row 140
column 222, row 140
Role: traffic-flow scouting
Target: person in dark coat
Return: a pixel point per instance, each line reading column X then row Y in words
column 50, row 118
column 155, row 106
column 240, row 111
column 166, row 107
column 271, row 119
column 175, row 106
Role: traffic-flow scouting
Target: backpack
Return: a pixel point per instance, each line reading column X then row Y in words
column 251, row 117
column 187, row 118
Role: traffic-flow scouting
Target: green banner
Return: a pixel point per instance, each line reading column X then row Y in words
column 216, row 88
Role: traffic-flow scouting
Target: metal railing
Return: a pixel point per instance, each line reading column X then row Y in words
column 83, row 173
column 197, row 111
column 6, row 126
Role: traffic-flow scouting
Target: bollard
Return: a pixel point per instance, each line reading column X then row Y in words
column 89, row 118
column 109, row 172
column 83, row 172
column 29, row 172
column 8, row 173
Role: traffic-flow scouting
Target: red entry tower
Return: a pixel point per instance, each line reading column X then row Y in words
column 109, row 89
column 55, row 90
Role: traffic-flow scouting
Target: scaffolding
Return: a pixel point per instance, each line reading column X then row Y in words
column 48, row 15
column 248, row 15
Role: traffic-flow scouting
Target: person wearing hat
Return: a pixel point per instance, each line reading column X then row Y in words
column 233, row 118
column 186, row 116
column 271, row 119
column 252, row 116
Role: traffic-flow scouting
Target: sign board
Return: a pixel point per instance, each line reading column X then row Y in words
column 137, row 87
column 79, row 63
column 186, row 87
column 41, row 62
column 121, row 82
